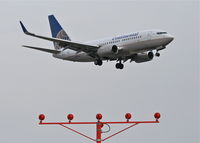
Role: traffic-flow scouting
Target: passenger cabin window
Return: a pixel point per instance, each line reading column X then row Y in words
column 161, row 33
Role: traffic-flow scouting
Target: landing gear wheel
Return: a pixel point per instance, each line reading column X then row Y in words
column 98, row 62
column 119, row 66
column 157, row 54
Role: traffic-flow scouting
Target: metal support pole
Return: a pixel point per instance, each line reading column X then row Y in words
column 98, row 127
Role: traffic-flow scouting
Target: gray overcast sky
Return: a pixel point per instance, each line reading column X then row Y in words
column 33, row 82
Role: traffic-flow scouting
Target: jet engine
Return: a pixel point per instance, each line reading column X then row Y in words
column 143, row 57
column 106, row 51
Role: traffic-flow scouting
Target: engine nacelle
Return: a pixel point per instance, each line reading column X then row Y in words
column 106, row 51
column 143, row 57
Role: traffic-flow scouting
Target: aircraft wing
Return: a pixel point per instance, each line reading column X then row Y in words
column 65, row 43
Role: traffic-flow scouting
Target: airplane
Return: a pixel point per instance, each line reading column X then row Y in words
column 135, row 46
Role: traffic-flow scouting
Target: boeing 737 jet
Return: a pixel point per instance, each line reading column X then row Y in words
column 136, row 46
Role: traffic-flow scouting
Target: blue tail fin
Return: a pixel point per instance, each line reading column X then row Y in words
column 57, row 31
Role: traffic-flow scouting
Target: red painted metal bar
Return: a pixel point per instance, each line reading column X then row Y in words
column 120, row 131
column 98, row 133
column 77, row 132
column 129, row 122
column 98, row 127
column 54, row 123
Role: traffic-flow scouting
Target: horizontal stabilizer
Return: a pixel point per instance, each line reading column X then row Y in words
column 42, row 49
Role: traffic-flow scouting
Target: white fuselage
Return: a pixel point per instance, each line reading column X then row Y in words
column 128, row 44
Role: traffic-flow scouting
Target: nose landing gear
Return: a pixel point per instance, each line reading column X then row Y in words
column 157, row 54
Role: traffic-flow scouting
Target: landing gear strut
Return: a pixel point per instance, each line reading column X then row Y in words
column 119, row 65
column 98, row 62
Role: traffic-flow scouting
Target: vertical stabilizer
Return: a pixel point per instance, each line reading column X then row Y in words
column 57, row 31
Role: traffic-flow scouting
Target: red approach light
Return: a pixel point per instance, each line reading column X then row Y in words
column 70, row 117
column 157, row 115
column 128, row 116
column 41, row 117
column 99, row 116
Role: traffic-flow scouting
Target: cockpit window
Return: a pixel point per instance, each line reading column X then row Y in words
column 161, row 33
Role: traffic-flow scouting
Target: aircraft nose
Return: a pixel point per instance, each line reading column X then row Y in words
column 170, row 37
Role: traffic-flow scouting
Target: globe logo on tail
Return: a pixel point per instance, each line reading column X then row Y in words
column 61, row 35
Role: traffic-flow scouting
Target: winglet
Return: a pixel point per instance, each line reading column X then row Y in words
column 23, row 28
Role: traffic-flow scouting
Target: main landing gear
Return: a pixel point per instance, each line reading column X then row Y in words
column 119, row 65
column 98, row 62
